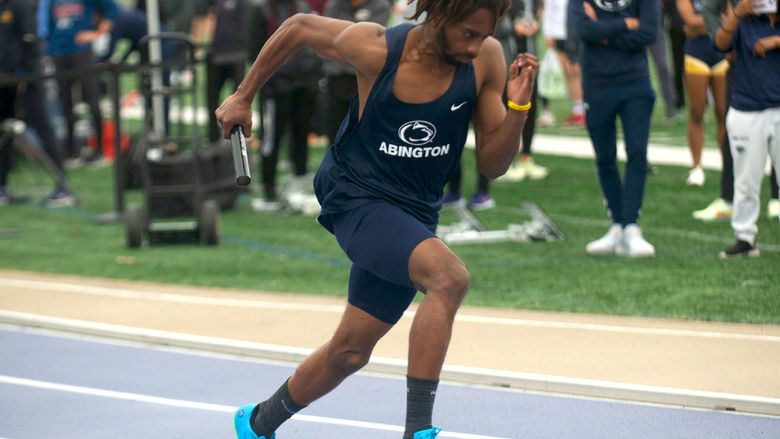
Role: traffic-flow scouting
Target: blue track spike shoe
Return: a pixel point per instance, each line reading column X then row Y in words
column 243, row 426
column 427, row 434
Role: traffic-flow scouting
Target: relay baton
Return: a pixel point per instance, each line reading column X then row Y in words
column 240, row 157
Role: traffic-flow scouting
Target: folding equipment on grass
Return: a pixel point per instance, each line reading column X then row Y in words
column 469, row 230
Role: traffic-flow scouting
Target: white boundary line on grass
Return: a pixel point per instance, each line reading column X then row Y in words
column 490, row 377
column 569, row 146
column 62, row 287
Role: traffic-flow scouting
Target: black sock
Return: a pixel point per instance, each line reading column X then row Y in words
column 271, row 413
column 420, row 393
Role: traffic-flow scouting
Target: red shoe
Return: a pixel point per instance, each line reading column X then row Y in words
column 574, row 120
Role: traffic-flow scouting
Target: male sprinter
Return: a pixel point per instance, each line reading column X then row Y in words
column 380, row 184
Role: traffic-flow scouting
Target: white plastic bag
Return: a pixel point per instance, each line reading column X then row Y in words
column 551, row 80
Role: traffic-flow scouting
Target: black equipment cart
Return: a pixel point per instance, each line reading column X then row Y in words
column 185, row 183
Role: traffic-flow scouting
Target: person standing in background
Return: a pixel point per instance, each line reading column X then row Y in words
column 658, row 52
column 721, row 208
column 318, row 6
column 616, row 81
column 705, row 68
column 753, row 119
column 71, row 29
column 288, row 99
column 227, row 54
column 559, row 36
column 342, row 82
column 673, row 26
column 22, row 56
column 525, row 29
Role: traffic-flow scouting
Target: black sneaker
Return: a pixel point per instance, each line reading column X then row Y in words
column 740, row 249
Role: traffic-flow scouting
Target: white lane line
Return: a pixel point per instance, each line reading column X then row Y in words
column 181, row 403
column 293, row 306
column 454, row 373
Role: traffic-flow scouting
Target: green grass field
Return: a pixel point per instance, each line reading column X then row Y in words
column 292, row 253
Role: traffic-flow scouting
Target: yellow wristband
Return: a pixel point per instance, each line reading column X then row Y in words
column 518, row 107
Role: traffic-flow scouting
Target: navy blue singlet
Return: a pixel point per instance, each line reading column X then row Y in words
column 398, row 152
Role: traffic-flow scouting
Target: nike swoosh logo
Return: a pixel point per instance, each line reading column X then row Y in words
column 456, row 107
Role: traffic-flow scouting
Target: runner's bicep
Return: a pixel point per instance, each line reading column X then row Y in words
column 363, row 47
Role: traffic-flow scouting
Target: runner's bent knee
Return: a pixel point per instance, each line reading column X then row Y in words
column 346, row 360
column 450, row 285
column 438, row 272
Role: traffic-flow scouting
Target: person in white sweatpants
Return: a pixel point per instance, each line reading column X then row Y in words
column 753, row 120
column 752, row 134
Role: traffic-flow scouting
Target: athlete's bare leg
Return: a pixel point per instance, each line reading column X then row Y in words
column 348, row 350
column 718, row 86
column 571, row 70
column 696, row 85
column 436, row 271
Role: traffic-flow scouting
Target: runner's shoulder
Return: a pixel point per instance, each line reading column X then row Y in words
column 363, row 45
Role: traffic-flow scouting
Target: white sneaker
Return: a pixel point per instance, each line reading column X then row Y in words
column 696, row 177
column 532, row 170
column 633, row 244
column 261, row 205
column 773, row 209
column 717, row 210
column 607, row 244
column 514, row 173
column 546, row 119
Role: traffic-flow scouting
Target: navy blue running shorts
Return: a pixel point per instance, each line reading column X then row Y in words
column 379, row 238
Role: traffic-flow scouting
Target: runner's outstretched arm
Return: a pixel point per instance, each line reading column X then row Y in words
column 317, row 32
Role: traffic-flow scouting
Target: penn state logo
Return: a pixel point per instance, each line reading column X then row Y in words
column 612, row 5
column 417, row 132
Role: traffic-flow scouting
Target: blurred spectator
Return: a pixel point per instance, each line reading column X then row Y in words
column 559, row 35
column 403, row 10
column 318, row 6
column 22, row 55
column 318, row 137
column 227, row 56
column 616, row 81
column 480, row 200
column 721, row 207
column 673, row 25
column 342, row 83
column 71, row 27
column 658, row 51
column 754, row 112
column 131, row 25
column 286, row 98
column 705, row 69
column 189, row 17
column 525, row 28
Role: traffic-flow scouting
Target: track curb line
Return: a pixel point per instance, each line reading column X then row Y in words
column 459, row 374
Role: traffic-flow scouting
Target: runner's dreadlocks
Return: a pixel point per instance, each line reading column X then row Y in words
column 454, row 11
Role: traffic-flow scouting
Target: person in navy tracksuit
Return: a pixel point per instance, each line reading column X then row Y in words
column 614, row 35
